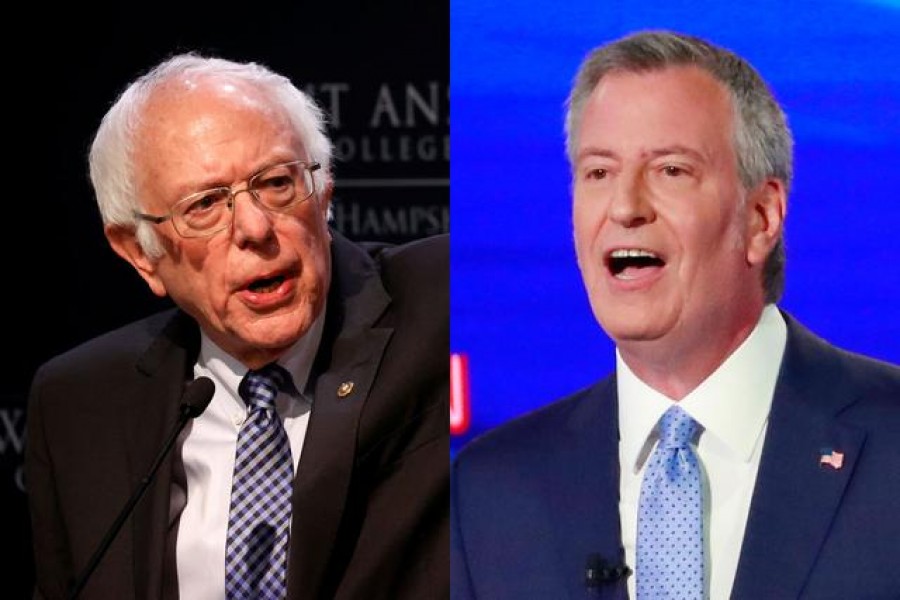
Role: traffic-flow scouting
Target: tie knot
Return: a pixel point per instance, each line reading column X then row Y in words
column 676, row 428
column 260, row 387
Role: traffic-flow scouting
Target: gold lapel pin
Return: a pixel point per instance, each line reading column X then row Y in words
column 344, row 389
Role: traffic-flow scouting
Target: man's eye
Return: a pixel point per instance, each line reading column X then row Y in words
column 204, row 203
column 274, row 182
column 673, row 171
column 597, row 173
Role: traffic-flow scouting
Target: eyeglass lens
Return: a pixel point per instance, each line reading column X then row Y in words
column 277, row 188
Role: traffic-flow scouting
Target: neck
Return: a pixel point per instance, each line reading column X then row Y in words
column 676, row 369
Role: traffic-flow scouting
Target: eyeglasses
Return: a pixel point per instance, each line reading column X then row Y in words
column 276, row 188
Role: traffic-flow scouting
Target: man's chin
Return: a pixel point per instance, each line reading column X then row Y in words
column 270, row 333
column 276, row 331
column 632, row 328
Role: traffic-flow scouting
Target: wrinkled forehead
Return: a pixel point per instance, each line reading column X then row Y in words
column 186, row 93
column 196, row 133
column 190, row 107
column 657, row 104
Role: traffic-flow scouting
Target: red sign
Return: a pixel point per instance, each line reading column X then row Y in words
column 460, row 415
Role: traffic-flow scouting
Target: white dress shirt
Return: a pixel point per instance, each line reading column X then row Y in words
column 732, row 407
column 208, row 450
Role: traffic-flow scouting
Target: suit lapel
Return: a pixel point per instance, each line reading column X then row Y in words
column 796, row 498
column 589, row 519
column 166, row 367
column 345, row 368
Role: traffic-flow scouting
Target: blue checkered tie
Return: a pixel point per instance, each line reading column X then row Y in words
column 670, row 516
column 258, row 525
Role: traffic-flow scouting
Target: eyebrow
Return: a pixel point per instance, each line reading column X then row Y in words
column 187, row 189
column 594, row 151
column 214, row 184
column 591, row 151
column 677, row 149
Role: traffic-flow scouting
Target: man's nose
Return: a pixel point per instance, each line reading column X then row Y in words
column 252, row 223
column 631, row 204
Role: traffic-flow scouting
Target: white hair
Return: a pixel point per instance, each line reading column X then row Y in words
column 111, row 157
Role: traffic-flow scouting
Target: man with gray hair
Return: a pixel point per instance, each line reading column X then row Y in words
column 312, row 462
column 732, row 454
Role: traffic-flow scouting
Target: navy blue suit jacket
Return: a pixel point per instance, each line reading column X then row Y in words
column 535, row 497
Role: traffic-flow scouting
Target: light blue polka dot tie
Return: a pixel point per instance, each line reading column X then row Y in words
column 670, row 516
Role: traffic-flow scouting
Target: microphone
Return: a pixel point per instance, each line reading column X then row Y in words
column 598, row 572
column 194, row 401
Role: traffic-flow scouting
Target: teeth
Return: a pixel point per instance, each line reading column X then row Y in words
column 632, row 253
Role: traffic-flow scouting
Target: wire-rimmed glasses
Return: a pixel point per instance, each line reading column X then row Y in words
column 276, row 188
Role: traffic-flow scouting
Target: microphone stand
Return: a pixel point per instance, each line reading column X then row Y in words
column 188, row 411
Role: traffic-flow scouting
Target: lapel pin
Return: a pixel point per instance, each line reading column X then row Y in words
column 344, row 389
column 832, row 458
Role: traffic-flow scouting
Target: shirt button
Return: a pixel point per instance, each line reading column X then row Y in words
column 238, row 419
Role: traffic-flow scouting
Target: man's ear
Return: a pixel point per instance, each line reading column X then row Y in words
column 123, row 241
column 766, row 208
column 324, row 200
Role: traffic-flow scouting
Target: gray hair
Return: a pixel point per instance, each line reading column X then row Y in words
column 762, row 140
column 111, row 163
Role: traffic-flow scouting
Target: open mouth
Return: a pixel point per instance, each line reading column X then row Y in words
column 628, row 263
column 266, row 284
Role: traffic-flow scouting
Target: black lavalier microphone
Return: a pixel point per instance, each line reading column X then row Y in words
column 194, row 401
column 598, row 572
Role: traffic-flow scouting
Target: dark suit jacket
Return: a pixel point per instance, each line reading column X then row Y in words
column 531, row 500
column 370, row 507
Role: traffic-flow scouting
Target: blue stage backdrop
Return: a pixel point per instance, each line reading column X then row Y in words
column 522, row 329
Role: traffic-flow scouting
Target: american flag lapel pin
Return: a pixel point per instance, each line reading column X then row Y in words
column 831, row 458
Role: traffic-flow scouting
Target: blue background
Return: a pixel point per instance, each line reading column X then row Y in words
column 519, row 309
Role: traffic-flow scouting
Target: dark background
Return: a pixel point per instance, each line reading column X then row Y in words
column 63, row 284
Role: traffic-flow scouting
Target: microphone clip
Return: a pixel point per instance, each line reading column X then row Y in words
column 599, row 572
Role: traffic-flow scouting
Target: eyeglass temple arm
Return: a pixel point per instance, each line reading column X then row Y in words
column 151, row 218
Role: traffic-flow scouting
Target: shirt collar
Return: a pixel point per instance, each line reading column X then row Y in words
column 731, row 405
